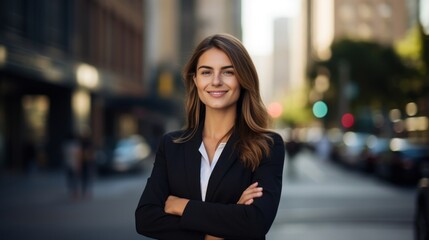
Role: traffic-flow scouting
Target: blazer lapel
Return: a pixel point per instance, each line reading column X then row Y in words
column 226, row 159
column 193, row 165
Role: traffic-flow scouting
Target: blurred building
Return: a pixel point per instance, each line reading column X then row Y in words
column 288, row 51
column 67, row 67
column 282, row 57
column 384, row 21
column 104, row 66
column 217, row 17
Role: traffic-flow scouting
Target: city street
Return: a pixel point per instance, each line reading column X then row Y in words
column 319, row 201
column 324, row 201
column 91, row 86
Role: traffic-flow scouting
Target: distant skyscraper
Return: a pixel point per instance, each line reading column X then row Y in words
column 282, row 57
column 218, row 16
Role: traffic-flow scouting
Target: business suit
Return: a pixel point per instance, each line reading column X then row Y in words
column 176, row 172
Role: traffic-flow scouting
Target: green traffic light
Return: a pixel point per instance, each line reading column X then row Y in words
column 320, row 109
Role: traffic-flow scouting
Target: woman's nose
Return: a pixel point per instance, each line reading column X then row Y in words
column 217, row 80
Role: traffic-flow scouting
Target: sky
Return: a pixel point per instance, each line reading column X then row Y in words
column 424, row 14
column 258, row 22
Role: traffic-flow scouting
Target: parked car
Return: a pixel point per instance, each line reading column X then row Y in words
column 128, row 155
column 403, row 162
column 421, row 217
column 369, row 156
column 349, row 150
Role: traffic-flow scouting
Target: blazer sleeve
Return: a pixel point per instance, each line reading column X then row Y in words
column 239, row 221
column 150, row 217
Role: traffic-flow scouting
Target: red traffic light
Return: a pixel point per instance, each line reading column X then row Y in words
column 347, row 120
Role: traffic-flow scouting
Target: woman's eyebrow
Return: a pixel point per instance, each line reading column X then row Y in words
column 225, row 67
column 208, row 67
column 204, row 67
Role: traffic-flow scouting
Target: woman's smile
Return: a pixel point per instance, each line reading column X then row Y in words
column 217, row 94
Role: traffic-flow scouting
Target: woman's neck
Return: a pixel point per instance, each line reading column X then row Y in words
column 218, row 123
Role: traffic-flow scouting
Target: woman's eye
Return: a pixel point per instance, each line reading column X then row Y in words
column 228, row 73
column 205, row 73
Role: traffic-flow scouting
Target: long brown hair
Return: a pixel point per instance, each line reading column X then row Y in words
column 252, row 118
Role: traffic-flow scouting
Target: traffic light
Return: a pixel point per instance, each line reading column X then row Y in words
column 320, row 109
column 347, row 120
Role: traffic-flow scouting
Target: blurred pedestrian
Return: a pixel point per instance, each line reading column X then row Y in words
column 87, row 164
column 293, row 147
column 324, row 148
column 30, row 156
column 72, row 154
column 222, row 175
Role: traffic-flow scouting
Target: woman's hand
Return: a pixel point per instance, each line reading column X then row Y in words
column 253, row 191
column 175, row 205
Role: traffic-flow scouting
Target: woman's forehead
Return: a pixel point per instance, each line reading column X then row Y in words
column 214, row 58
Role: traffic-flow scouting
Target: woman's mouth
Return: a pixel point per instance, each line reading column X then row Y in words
column 217, row 93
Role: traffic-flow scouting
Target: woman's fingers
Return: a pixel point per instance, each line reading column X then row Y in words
column 209, row 237
column 253, row 185
column 254, row 194
column 250, row 193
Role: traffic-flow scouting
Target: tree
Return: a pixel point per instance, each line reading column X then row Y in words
column 414, row 51
column 363, row 74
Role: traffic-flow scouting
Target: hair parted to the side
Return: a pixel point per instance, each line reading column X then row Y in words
column 252, row 118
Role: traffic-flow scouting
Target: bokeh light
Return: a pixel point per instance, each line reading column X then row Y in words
column 275, row 109
column 411, row 109
column 347, row 120
column 320, row 109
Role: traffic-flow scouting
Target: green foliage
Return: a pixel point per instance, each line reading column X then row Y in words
column 295, row 109
column 410, row 47
column 374, row 71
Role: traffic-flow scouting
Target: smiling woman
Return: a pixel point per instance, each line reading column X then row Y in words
column 220, row 177
column 217, row 85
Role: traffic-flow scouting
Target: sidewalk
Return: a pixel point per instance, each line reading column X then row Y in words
column 18, row 189
column 38, row 207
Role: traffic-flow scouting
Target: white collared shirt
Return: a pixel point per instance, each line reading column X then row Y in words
column 206, row 167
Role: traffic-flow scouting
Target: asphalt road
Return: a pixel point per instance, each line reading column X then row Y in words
column 319, row 201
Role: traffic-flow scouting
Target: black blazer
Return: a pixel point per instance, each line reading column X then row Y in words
column 176, row 171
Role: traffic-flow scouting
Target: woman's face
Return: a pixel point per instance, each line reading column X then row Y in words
column 216, row 81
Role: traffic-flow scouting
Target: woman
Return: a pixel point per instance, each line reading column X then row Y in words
column 221, row 177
